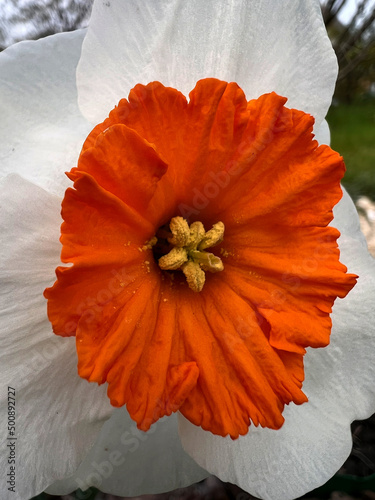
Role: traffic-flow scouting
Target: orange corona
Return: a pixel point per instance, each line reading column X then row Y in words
column 203, row 263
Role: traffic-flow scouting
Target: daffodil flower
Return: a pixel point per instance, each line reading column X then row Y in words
column 199, row 266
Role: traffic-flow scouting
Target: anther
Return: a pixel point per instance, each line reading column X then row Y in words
column 188, row 253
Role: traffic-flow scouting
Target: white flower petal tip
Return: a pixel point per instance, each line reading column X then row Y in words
column 263, row 46
column 315, row 439
column 58, row 415
column 42, row 129
column 128, row 462
column 323, row 133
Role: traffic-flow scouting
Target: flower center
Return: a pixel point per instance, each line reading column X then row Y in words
column 188, row 253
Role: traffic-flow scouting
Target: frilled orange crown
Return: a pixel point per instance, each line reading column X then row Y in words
column 203, row 263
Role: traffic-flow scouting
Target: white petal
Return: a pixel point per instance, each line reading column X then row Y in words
column 315, row 439
column 42, row 129
column 323, row 133
column 128, row 462
column 58, row 415
column 263, row 45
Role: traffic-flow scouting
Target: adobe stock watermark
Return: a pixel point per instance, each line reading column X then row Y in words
column 130, row 440
column 280, row 294
column 233, row 169
column 87, row 310
column 92, row 306
column 11, row 441
column 246, row 152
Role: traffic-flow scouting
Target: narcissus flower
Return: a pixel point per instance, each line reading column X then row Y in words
column 204, row 264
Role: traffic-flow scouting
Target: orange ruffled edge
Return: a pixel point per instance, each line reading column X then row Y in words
column 234, row 351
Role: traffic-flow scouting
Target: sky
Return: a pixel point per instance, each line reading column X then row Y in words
column 350, row 8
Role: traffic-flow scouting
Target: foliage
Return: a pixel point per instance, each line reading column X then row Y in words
column 353, row 132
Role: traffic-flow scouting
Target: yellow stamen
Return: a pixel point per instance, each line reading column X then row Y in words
column 194, row 275
column 188, row 253
column 180, row 232
column 174, row 259
column 213, row 236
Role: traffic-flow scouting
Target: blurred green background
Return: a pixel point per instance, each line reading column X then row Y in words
column 353, row 136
